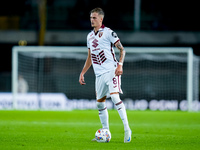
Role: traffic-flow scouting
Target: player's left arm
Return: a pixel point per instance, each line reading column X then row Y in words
column 119, row 69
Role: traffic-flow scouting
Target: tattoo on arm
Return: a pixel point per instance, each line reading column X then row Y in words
column 122, row 51
column 119, row 45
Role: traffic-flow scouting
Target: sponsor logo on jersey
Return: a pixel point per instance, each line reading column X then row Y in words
column 95, row 44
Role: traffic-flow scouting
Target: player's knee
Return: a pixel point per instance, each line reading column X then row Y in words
column 117, row 101
column 101, row 105
column 115, row 98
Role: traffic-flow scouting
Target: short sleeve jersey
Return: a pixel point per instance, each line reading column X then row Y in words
column 101, row 47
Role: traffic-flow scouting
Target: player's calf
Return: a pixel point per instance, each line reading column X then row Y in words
column 103, row 114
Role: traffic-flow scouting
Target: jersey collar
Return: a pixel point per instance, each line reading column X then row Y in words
column 101, row 28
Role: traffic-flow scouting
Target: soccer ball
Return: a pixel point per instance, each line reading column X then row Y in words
column 103, row 135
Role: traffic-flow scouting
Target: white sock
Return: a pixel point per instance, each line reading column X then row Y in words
column 121, row 110
column 103, row 114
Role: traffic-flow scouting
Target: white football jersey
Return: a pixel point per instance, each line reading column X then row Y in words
column 101, row 48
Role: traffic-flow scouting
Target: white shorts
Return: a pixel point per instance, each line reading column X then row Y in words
column 107, row 83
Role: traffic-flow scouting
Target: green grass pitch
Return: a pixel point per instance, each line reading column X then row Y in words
column 66, row 130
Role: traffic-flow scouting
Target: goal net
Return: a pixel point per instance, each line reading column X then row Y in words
column 149, row 73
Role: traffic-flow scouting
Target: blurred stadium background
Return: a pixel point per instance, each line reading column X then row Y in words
column 140, row 23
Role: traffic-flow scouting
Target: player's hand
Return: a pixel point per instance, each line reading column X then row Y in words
column 81, row 79
column 119, row 70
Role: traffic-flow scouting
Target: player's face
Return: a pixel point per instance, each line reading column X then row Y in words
column 96, row 20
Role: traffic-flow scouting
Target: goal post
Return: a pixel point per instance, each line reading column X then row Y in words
column 190, row 66
column 149, row 72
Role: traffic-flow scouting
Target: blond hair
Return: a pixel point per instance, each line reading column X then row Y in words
column 98, row 10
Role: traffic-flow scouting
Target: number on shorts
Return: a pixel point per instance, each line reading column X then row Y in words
column 115, row 82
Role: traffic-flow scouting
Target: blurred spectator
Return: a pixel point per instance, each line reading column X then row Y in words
column 22, row 85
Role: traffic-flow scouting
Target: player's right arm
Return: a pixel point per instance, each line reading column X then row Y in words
column 87, row 65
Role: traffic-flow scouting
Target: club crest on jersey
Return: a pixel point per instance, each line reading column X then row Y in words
column 100, row 34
